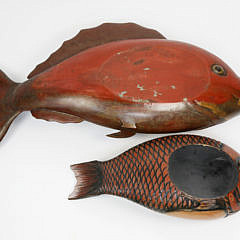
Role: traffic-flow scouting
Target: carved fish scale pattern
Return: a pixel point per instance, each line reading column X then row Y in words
column 141, row 173
column 232, row 199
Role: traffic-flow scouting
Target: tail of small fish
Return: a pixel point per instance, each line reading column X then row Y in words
column 89, row 180
column 7, row 111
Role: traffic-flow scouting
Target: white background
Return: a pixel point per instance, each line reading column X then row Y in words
column 35, row 178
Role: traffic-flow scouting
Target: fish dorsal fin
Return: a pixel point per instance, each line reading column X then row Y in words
column 88, row 38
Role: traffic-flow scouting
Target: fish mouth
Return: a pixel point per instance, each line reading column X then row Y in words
column 224, row 110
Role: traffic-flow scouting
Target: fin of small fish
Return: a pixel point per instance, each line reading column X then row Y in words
column 88, row 38
column 51, row 115
column 123, row 133
column 89, row 180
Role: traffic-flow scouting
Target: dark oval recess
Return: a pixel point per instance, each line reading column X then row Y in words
column 202, row 171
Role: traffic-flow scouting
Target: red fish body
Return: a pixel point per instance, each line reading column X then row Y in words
column 138, row 83
column 182, row 175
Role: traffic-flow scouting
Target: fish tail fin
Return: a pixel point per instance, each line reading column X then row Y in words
column 89, row 180
column 7, row 114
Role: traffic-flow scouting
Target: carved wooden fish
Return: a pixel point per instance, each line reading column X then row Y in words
column 181, row 175
column 125, row 77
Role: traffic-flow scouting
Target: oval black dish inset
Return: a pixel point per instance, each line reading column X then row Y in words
column 202, row 171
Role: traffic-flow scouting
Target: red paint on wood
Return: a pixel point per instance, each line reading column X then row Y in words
column 141, row 71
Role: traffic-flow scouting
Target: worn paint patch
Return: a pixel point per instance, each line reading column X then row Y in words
column 139, row 100
column 214, row 108
column 122, row 93
column 222, row 110
column 141, row 88
column 156, row 93
column 128, row 124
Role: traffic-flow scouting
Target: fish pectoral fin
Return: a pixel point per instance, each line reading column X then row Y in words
column 55, row 116
column 123, row 133
column 127, row 130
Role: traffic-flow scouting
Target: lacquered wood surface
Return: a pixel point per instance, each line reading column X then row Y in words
column 144, row 174
column 127, row 77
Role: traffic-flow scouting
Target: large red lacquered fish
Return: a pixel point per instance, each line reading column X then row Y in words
column 182, row 175
column 126, row 77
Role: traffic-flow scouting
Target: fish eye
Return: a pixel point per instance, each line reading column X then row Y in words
column 219, row 70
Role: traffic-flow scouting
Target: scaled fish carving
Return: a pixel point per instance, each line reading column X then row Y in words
column 182, row 175
column 125, row 77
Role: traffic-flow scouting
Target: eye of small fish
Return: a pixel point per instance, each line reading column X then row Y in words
column 219, row 70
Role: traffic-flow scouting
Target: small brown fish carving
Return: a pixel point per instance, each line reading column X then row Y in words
column 182, row 175
column 125, row 77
